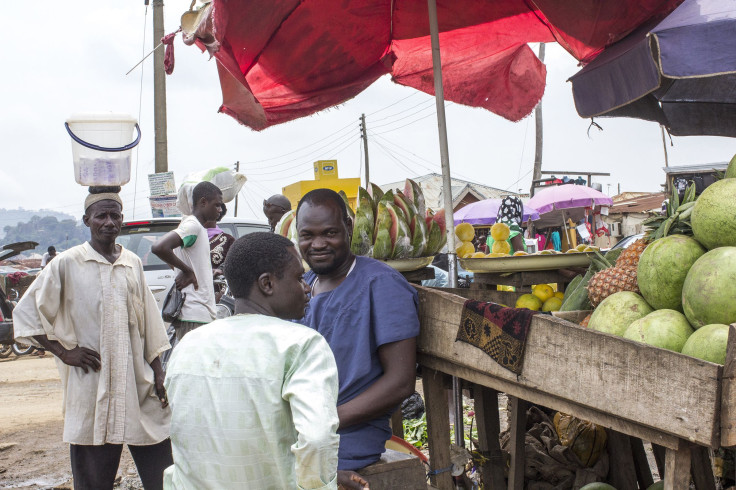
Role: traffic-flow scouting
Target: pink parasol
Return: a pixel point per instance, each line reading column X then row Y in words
column 568, row 196
column 484, row 213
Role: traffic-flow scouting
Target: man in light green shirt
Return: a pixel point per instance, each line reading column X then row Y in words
column 253, row 396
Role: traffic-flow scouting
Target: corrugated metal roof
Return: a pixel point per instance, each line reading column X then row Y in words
column 650, row 202
column 692, row 169
column 431, row 185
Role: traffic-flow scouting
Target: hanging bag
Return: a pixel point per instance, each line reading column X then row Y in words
column 172, row 304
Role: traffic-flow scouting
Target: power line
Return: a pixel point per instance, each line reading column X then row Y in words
column 140, row 105
column 391, row 156
column 407, row 124
column 429, row 106
column 334, row 153
column 416, row 92
column 429, row 103
column 306, row 157
column 300, row 149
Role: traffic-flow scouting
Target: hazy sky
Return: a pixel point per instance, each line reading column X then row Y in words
column 67, row 58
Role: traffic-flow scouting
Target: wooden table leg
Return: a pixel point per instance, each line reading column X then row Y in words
column 659, row 456
column 438, row 426
column 489, row 427
column 397, row 423
column 622, row 473
column 677, row 467
column 702, row 469
column 517, row 442
column 643, row 471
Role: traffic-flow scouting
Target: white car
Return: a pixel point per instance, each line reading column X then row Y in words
column 139, row 235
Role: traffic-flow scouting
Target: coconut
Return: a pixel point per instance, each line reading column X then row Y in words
column 618, row 311
column 708, row 343
column 714, row 215
column 662, row 270
column 710, row 288
column 668, row 329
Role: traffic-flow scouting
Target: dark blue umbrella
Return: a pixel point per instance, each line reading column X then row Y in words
column 680, row 72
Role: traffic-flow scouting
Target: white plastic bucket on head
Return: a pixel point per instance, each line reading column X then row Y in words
column 101, row 147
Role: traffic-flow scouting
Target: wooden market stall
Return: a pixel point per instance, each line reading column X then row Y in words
column 674, row 401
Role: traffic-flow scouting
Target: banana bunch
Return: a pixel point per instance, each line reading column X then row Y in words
column 676, row 221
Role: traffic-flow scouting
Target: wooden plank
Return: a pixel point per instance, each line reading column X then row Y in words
column 520, row 279
column 660, row 453
column 602, row 418
column 609, row 374
column 641, row 462
column 488, row 295
column 702, row 469
column 677, row 468
column 419, row 275
column 517, row 442
column 575, row 316
column 438, row 426
column 728, row 398
column 489, row 427
column 397, row 423
column 395, row 470
column 622, row 472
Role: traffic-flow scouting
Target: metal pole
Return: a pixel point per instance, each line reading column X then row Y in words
column 664, row 145
column 364, row 135
column 539, row 131
column 237, row 169
column 159, row 90
column 439, row 96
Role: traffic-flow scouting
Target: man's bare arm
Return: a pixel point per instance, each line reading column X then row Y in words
column 394, row 386
column 78, row 357
column 164, row 250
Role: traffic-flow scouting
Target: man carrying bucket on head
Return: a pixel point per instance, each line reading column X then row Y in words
column 92, row 309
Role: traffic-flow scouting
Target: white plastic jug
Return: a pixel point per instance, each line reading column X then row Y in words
column 101, row 147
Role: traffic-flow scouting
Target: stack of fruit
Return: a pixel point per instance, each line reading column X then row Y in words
column 676, row 290
column 543, row 297
column 394, row 225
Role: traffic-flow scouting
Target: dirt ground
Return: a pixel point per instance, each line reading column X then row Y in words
column 32, row 454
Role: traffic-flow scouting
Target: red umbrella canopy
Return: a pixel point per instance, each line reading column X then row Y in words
column 284, row 59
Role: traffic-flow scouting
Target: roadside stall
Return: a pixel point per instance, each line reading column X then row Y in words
column 608, row 380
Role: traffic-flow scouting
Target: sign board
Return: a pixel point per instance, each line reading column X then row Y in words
column 164, row 206
column 161, row 184
column 325, row 168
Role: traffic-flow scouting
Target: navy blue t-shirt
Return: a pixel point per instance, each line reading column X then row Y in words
column 373, row 306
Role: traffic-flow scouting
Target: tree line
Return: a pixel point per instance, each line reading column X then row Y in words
column 47, row 231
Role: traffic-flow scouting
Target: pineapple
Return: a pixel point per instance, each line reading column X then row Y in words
column 629, row 258
column 610, row 281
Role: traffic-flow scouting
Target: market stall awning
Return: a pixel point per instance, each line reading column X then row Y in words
column 285, row 59
column 680, row 72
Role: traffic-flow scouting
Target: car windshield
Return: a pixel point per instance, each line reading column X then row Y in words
column 139, row 239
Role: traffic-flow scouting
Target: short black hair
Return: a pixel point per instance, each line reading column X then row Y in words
column 223, row 212
column 324, row 196
column 104, row 189
column 252, row 255
column 208, row 190
column 51, row 248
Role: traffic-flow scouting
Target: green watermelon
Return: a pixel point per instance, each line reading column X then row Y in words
column 667, row 329
column 618, row 311
column 714, row 215
column 708, row 343
column 710, row 288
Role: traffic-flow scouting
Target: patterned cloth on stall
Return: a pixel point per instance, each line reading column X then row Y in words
column 497, row 330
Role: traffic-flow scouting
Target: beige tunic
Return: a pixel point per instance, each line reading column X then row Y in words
column 82, row 299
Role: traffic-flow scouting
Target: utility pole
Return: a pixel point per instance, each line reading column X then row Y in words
column 237, row 169
column 664, row 145
column 159, row 90
column 538, row 124
column 364, row 135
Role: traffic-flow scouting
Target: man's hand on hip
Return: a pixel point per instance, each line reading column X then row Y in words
column 81, row 357
column 184, row 279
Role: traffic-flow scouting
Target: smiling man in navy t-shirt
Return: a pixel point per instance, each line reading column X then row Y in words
column 368, row 313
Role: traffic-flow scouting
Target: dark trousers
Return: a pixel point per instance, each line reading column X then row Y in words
column 95, row 467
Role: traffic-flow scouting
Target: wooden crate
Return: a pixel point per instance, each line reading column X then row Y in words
column 654, row 394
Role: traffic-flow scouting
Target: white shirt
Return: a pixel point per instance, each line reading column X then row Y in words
column 254, row 406
column 199, row 304
column 81, row 299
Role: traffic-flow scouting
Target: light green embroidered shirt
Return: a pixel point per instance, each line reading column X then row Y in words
column 254, row 406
